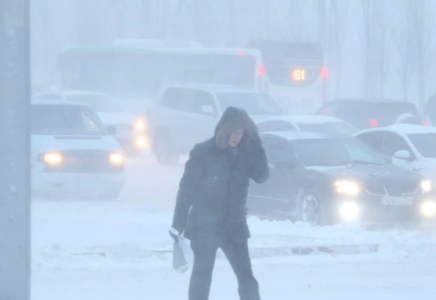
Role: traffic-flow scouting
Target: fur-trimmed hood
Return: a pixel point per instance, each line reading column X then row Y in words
column 233, row 119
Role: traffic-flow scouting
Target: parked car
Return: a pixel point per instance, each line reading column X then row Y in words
column 184, row 115
column 308, row 123
column 325, row 180
column 410, row 147
column 430, row 110
column 128, row 129
column 71, row 153
column 369, row 113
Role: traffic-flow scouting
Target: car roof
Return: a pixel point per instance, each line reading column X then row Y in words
column 319, row 119
column 214, row 88
column 369, row 100
column 403, row 129
column 69, row 93
column 297, row 135
column 55, row 102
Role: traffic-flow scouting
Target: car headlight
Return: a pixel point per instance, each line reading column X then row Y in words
column 428, row 209
column 349, row 211
column 140, row 125
column 426, row 186
column 347, row 187
column 117, row 158
column 53, row 158
column 141, row 142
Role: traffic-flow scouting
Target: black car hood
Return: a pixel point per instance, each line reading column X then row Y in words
column 370, row 174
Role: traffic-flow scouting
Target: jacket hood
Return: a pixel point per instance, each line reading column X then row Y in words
column 233, row 119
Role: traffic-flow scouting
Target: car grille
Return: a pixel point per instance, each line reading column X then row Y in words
column 392, row 190
column 85, row 161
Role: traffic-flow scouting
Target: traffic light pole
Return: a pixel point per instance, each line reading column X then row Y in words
column 14, row 150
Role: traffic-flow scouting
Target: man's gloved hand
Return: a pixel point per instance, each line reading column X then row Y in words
column 255, row 141
column 174, row 234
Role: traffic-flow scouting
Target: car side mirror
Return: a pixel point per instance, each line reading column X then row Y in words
column 112, row 130
column 403, row 155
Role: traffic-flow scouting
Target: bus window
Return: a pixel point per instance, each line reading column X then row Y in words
column 139, row 73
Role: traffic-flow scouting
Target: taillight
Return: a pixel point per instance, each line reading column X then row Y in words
column 324, row 73
column 424, row 123
column 373, row 122
column 261, row 70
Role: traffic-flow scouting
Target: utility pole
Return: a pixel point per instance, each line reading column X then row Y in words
column 14, row 150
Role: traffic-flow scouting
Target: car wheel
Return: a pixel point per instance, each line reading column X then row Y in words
column 309, row 208
column 165, row 149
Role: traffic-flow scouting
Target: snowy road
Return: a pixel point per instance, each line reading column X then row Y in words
column 85, row 250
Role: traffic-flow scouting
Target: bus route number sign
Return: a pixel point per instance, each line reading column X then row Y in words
column 298, row 75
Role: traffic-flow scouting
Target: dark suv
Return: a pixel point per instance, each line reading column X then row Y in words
column 368, row 113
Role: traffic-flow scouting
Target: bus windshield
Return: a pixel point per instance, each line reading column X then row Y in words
column 290, row 64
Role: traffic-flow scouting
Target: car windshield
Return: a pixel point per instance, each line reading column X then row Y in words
column 334, row 128
column 99, row 103
column 335, row 152
column 253, row 103
column 65, row 120
column 424, row 143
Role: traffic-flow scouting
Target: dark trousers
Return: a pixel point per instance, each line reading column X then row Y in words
column 204, row 261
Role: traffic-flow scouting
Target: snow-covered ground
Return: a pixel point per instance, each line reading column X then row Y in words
column 85, row 250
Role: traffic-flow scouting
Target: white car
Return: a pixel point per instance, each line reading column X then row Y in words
column 127, row 128
column 71, row 153
column 185, row 114
column 308, row 123
column 411, row 147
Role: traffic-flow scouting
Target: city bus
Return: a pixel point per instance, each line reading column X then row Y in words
column 133, row 75
column 293, row 74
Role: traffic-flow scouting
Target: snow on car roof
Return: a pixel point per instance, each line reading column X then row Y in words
column 403, row 129
column 368, row 100
column 297, row 135
column 69, row 93
column 217, row 88
column 304, row 119
column 56, row 102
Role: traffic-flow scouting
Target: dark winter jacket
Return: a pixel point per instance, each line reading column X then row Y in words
column 211, row 202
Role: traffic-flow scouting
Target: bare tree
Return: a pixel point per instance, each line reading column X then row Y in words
column 404, row 42
column 293, row 17
column 424, row 34
column 383, row 46
column 337, row 31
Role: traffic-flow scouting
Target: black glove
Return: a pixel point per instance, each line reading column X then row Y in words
column 252, row 144
column 255, row 142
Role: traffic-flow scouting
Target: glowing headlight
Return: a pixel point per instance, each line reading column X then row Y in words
column 140, row 125
column 428, row 209
column 426, row 186
column 347, row 187
column 141, row 142
column 349, row 211
column 53, row 158
column 117, row 158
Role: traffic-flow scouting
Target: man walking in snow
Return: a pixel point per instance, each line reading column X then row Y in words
column 211, row 202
